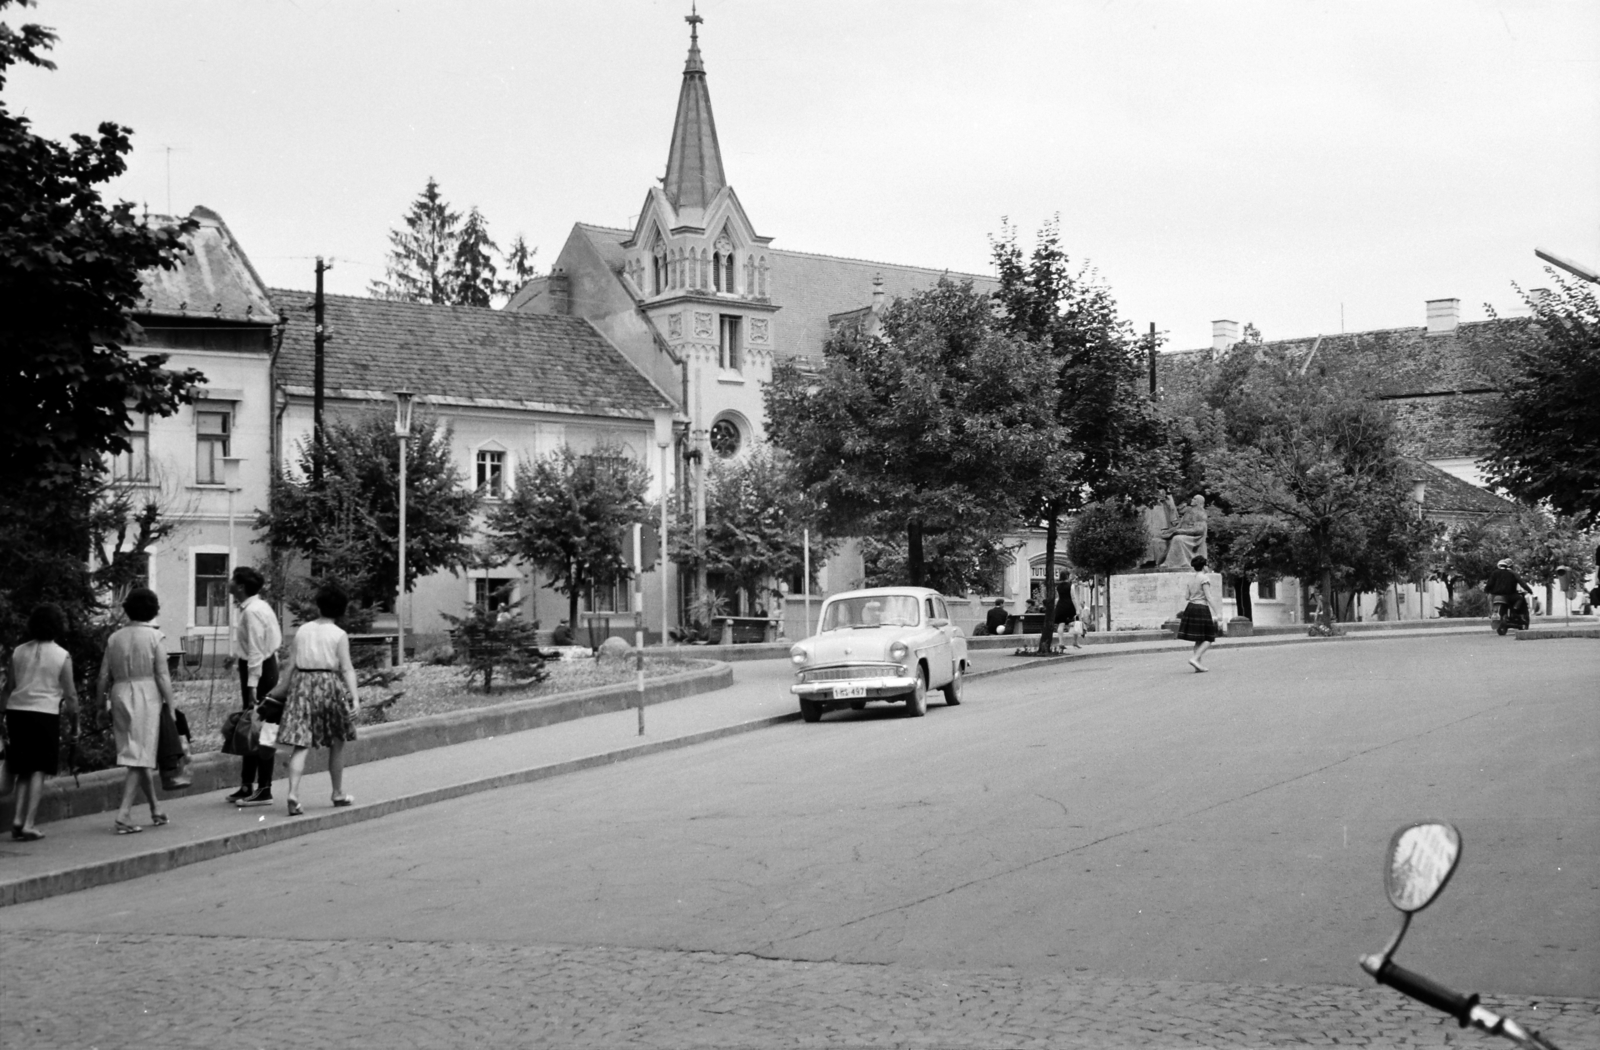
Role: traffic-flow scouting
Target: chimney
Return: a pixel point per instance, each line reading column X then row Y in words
column 877, row 295
column 560, row 291
column 1223, row 335
column 1443, row 316
column 1539, row 298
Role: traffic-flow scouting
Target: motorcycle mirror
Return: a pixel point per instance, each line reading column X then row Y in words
column 1422, row 857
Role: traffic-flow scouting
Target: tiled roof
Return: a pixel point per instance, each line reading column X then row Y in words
column 216, row 281
column 808, row 289
column 462, row 354
column 1433, row 383
column 1448, row 496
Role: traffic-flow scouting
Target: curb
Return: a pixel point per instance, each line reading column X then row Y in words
column 87, row 876
column 101, row 790
column 1541, row 633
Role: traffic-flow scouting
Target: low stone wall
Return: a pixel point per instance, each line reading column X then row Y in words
column 101, row 791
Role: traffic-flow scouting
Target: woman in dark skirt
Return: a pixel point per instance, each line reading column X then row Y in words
column 39, row 689
column 1196, row 623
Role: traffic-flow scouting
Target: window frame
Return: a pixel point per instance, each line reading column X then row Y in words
column 139, row 438
column 502, row 486
column 217, row 472
column 225, row 623
column 730, row 356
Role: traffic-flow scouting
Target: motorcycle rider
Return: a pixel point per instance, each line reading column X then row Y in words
column 1502, row 587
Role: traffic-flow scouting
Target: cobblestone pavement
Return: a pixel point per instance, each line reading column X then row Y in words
column 75, row 990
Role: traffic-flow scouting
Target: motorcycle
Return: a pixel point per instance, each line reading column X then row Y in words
column 1512, row 616
column 1421, row 859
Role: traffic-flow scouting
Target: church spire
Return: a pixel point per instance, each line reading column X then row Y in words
column 694, row 162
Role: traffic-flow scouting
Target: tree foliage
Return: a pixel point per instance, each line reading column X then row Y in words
column 349, row 529
column 568, row 515
column 1106, row 538
column 956, row 561
column 496, row 639
column 756, row 515
column 1114, row 443
column 69, row 280
column 1544, row 431
column 934, row 424
column 1321, row 468
column 436, row 256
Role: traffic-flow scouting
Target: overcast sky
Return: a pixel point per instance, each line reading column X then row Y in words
column 1282, row 162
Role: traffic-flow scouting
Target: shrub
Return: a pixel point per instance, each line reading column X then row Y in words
column 1469, row 603
column 489, row 639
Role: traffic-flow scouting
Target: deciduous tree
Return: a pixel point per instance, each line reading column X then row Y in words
column 69, row 279
column 1107, row 538
column 349, row 528
column 1114, row 444
column 1545, row 428
column 568, row 515
column 936, row 423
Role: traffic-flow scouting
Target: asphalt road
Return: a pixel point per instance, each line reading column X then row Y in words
column 1122, row 831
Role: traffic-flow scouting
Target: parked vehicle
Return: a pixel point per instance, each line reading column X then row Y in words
column 886, row 643
column 1421, row 859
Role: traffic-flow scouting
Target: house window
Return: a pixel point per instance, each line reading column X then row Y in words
column 1267, row 590
column 134, row 465
column 658, row 271
column 491, row 473
column 610, row 597
column 210, row 590
column 728, row 345
column 724, row 438
column 492, row 592
column 1228, row 594
column 211, row 445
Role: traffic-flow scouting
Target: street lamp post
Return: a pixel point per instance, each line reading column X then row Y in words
column 663, row 420
column 402, row 430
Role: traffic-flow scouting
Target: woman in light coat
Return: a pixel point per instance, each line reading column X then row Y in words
column 134, row 686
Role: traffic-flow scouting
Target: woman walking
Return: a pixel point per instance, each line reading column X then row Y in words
column 1196, row 623
column 134, row 686
column 322, row 696
column 39, row 690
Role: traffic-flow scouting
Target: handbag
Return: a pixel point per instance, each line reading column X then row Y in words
column 236, row 734
column 270, row 710
column 169, row 747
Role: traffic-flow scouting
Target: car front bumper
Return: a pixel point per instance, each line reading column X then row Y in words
column 876, row 688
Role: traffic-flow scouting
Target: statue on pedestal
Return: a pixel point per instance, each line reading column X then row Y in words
column 1186, row 533
column 1175, row 536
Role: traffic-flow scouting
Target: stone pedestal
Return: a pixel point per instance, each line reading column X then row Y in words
column 1241, row 627
column 1153, row 599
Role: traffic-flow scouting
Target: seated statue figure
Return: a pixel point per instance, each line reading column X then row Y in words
column 1186, row 536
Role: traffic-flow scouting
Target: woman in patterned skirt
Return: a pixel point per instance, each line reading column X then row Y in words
column 320, row 696
column 134, row 685
column 1196, row 623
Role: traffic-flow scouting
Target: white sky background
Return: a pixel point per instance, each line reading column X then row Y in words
column 1258, row 161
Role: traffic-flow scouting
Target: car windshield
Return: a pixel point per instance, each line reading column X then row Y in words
column 884, row 610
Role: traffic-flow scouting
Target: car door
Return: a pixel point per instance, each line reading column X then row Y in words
column 936, row 619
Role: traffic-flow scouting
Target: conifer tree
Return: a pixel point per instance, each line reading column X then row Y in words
column 422, row 255
column 472, row 269
column 519, row 263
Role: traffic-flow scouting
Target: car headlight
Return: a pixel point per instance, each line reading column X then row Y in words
column 798, row 656
column 899, row 651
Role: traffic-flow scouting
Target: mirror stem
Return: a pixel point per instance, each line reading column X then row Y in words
column 1373, row 963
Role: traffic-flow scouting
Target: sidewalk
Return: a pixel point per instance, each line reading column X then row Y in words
column 81, row 852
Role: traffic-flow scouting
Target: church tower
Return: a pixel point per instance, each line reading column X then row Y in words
column 702, row 274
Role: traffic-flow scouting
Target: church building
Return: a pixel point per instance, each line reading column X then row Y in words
column 702, row 303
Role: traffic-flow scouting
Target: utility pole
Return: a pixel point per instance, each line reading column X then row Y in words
column 1152, row 360
column 318, row 449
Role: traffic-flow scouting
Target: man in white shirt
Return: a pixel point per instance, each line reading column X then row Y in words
column 256, row 642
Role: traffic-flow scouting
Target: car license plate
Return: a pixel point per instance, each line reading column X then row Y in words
column 849, row 692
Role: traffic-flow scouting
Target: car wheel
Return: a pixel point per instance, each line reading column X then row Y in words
column 952, row 691
column 917, row 699
column 858, row 705
column 810, row 710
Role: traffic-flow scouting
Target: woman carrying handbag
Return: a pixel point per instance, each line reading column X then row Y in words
column 320, row 696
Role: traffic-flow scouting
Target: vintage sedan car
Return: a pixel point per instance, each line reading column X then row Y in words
column 887, row 643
